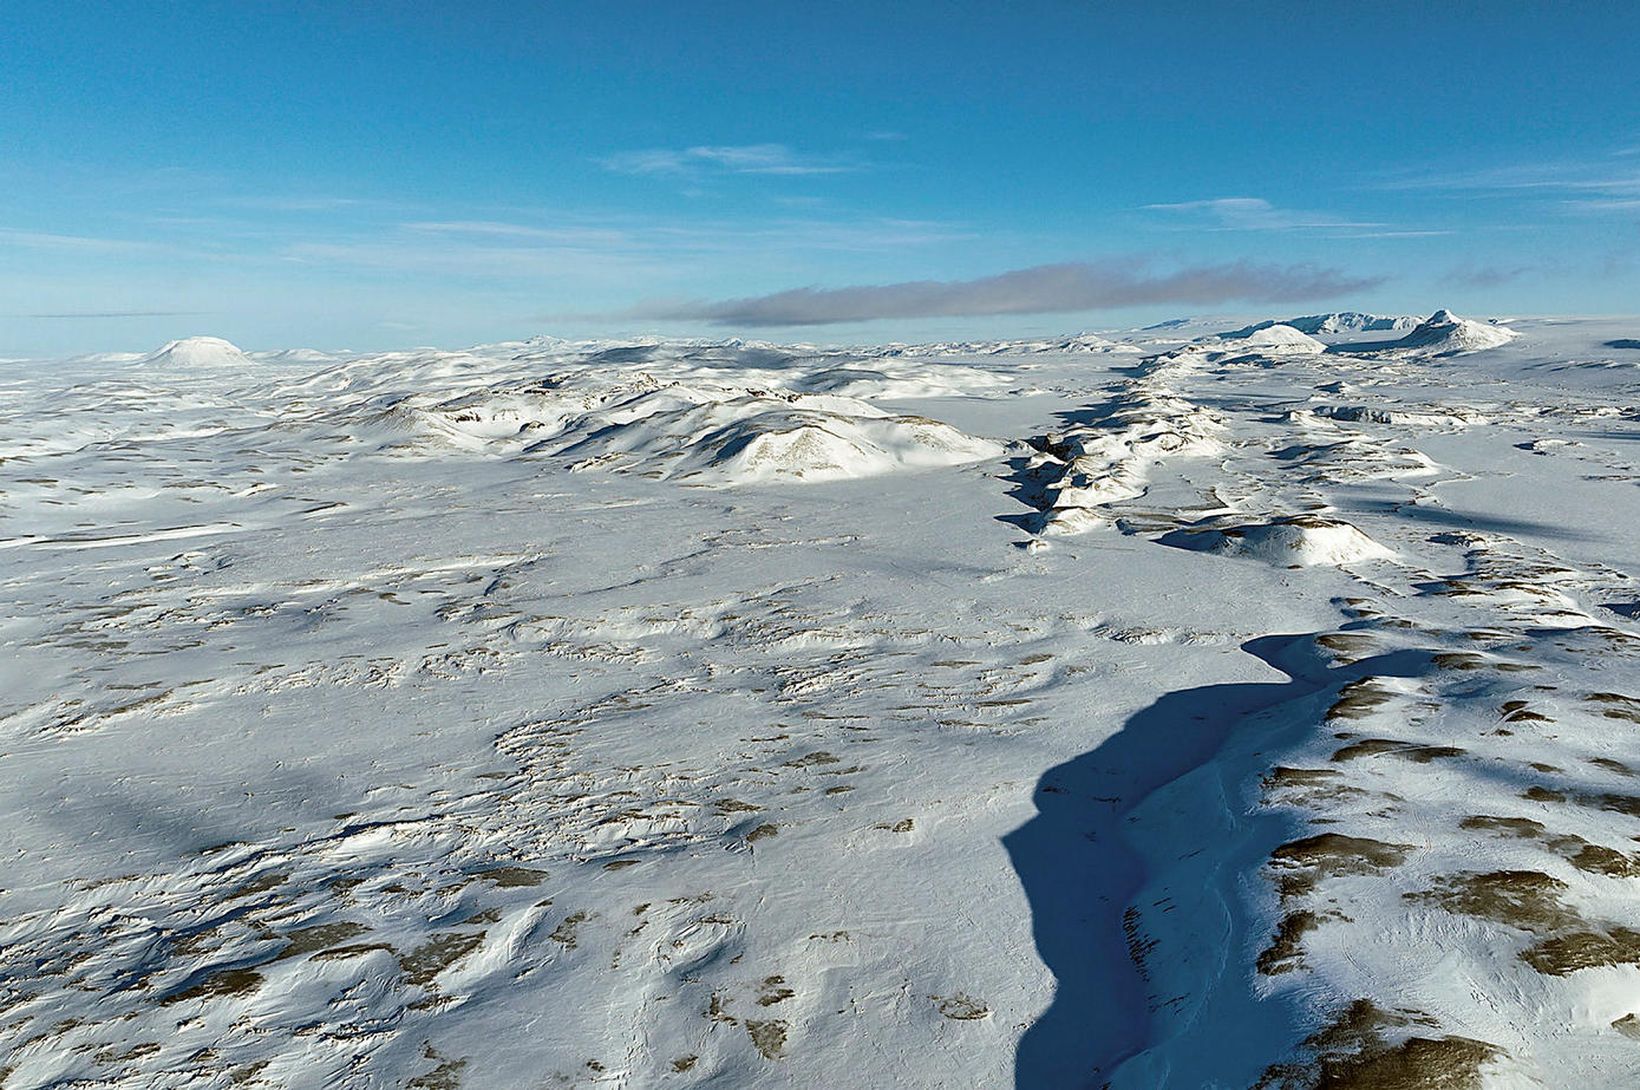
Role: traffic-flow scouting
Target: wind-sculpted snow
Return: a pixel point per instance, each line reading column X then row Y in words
column 687, row 713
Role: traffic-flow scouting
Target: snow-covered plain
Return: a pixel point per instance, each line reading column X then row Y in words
column 1192, row 707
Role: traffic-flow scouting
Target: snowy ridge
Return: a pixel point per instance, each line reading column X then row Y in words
column 1082, row 342
column 1105, row 455
column 741, row 437
column 622, row 415
column 1339, row 322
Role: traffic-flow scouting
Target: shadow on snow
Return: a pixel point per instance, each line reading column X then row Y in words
column 1080, row 872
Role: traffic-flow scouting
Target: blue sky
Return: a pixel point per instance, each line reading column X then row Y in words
column 380, row 174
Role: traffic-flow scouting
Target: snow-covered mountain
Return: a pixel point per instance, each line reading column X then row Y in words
column 1339, row 322
column 198, row 352
column 1444, row 333
column 1273, row 337
column 1350, row 321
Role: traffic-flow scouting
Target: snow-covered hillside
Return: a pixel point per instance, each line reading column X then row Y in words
column 1193, row 707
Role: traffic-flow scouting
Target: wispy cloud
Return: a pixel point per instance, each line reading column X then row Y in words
column 555, row 235
column 403, row 256
column 660, row 238
column 1486, row 276
column 44, row 240
column 1597, row 185
column 1393, row 233
column 1604, row 204
column 1255, row 214
column 317, row 203
column 1044, row 289
column 509, row 250
column 874, row 235
column 77, row 315
column 1551, row 177
column 723, row 159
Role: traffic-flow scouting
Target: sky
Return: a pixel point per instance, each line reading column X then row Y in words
column 383, row 174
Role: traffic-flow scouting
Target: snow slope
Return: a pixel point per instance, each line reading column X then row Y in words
column 668, row 713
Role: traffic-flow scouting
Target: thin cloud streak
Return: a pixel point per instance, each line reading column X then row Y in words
column 1256, row 214
column 1605, row 204
column 1487, row 276
column 1588, row 186
column 721, row 158
column 1043, row 289
column 319, row 203
column 1432, row 233
column 43, row 240
column 631, row 238
column 77, row 315
column 579, row 236
column 1567, row 177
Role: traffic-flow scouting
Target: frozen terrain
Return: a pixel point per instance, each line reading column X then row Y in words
column 1214, row 705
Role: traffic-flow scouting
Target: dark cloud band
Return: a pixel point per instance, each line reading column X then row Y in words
column 1043, row 289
